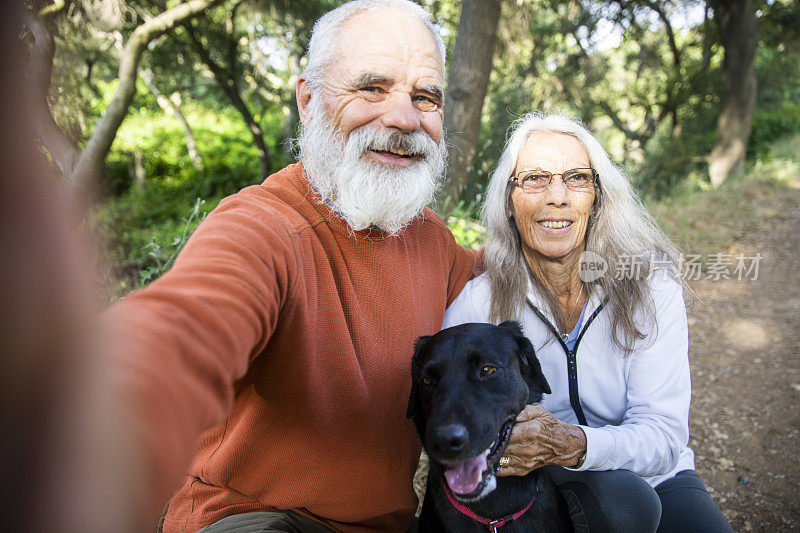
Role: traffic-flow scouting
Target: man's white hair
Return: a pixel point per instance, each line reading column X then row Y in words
column 322, row 48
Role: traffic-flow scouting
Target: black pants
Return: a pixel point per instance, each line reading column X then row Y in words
column 619, row 500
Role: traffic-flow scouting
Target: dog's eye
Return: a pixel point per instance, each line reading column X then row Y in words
column 425, row 380
column 488, row 370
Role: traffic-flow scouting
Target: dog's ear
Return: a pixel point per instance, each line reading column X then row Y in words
column 513, row 326
column 527, row 355
column 414, row 396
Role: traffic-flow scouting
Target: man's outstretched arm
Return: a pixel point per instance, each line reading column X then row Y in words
column 179, row 345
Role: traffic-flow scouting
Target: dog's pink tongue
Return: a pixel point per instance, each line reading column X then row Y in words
column 463, row 477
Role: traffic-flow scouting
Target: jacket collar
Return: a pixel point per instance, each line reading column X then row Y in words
column 596, row 297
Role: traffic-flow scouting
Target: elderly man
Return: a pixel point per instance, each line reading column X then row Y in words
column 287, row 324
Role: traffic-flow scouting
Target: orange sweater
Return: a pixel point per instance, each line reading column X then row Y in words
column 300, row 332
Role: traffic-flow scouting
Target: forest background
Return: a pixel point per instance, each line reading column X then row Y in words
column 675, row 90
column 151, row 111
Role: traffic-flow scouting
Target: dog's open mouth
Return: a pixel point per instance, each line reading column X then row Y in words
column 468, row 479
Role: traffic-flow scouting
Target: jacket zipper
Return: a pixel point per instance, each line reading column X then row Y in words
column 572, row 361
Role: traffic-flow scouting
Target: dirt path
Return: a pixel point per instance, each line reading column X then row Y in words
column 745, row 358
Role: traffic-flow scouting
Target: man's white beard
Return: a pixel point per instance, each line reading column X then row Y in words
column 365, row 192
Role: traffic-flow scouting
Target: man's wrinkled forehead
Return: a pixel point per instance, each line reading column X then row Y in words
column 387, row 37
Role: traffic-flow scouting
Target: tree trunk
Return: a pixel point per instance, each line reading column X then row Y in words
column 739, row 33
column 82, row 168
column 467, row 82
column 63, row 149
column 174, row 109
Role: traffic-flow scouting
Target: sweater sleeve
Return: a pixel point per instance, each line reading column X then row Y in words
column 655, row 426
column 179, row 345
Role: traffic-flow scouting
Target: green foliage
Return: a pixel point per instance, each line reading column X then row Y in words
column 154, row 211
column 639, row 99
column 467, row 231
column 136, row 219
column 671, row 157
column 769, row 125
column 230, row 160
column 163, row 254
column 777, row 112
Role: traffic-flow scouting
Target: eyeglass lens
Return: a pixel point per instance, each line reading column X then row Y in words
column 575, row 179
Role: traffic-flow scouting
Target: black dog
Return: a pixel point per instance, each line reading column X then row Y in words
column 469, row 384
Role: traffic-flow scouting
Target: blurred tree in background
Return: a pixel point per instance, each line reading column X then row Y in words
column 468, row 80
column 212, row 107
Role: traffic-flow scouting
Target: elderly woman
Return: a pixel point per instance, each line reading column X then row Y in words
column 575, row 258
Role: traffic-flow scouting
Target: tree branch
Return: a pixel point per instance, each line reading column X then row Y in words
column 63, row 149
column 676, row 53
column 53, row 9
column 226, row 80
column 174, row 109
column 90, row 163
column 620, row 124
column 233, row 43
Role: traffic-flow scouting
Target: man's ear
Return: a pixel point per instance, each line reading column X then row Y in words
column 303, row 92
column 413, row 398
column 530, row 363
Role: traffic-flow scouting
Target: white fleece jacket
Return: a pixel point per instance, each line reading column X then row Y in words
column 636, row 407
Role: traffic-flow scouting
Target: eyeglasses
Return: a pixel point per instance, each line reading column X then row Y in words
column 576, row 179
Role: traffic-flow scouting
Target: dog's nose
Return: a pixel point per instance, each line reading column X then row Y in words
column 450, row 438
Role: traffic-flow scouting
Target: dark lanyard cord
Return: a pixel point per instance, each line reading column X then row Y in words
column 572, row 362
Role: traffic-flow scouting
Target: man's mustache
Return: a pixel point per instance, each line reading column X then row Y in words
column 415, row 143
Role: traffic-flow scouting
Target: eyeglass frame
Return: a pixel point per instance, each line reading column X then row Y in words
column 595, row 179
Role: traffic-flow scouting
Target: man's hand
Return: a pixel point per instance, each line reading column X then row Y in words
column 540, row 439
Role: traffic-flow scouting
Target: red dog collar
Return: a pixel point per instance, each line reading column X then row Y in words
column 491, row 524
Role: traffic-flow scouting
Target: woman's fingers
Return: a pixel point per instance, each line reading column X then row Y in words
column 540, row 439
column 524, row 451
column 531, row 411
column 512, row 470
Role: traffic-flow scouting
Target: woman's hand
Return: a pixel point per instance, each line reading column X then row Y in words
column 540, row 439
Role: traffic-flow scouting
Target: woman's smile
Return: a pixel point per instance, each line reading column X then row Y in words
column 552, row 222
column 555, row 224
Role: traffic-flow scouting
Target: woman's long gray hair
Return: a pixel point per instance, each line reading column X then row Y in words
column 620, row 230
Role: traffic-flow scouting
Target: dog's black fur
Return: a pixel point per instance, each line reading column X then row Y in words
column 469, row 384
